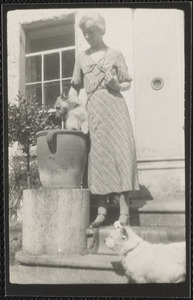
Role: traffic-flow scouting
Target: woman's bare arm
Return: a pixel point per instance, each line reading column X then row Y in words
column 125, row 86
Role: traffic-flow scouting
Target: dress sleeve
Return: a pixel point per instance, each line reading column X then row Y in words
column 77, row 78
column 122, row 70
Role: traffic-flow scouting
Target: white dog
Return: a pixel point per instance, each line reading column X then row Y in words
column 77, row 119
column 148, row 263
column 74, row 115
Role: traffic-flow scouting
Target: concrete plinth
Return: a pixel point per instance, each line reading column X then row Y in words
column 55, row 221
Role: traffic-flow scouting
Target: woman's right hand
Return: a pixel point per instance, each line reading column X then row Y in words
column 112, row 81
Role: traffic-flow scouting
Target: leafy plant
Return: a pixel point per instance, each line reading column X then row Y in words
column 17, row 183
column 25, row 119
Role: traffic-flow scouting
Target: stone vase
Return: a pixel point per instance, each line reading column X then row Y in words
column 62, row 157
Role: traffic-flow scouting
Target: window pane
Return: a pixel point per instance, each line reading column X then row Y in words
column 51, row 66
column 51, row 36
column 68, row 58
column 34, row 90
column 52, row 92
column 52, row 42
column 33, row 68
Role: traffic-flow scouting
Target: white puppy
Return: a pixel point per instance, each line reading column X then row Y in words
column 77, row 119
column 145, row 262
column 74, row 115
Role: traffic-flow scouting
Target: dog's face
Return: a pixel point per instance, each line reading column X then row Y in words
column 63, row 107
column 71, row 112
column 117, row 239
column 122, row 240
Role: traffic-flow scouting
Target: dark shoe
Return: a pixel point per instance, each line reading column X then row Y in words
column 124, row 219
column 98, row 223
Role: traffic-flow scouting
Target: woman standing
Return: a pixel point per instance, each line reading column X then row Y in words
column 112, row 164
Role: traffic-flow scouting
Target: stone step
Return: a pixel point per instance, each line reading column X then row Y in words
column 165, row 212
column 110, row 272
column 151, row 234
column 69, row 269
column 149, row 203
column 78, row 261
column 165, row 205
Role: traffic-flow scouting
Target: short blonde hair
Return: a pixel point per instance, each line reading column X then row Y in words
column 97, row 19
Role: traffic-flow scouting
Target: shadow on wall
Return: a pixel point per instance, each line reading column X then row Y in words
column 142, row 195
column 139, row 199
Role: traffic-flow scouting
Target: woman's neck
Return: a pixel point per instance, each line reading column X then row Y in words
column 98, row 47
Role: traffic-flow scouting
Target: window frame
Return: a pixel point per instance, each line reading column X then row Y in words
column 25, row 31
column 60, row 79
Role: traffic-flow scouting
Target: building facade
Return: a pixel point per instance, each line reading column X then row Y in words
column 43, row 45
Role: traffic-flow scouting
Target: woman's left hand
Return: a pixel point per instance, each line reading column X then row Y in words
column 112, row 81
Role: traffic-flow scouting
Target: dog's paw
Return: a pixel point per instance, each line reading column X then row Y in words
column 84, row 127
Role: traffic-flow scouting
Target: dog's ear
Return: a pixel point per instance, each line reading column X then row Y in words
column 124, row 233
column 72, row 105
column 117, row 224
column 65, row 92
column 132, row 241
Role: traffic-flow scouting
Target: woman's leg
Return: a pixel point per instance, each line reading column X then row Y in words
column 102, row 212
column 124, row 208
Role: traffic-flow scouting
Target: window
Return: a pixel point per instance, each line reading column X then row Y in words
column 49, row 60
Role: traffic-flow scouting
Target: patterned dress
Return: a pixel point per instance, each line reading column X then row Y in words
column 112, row 163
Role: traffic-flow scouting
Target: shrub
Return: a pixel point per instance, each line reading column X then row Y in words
column 17, row 183
column 25, row 119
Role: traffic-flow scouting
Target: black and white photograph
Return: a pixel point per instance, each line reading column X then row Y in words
column 98, row 189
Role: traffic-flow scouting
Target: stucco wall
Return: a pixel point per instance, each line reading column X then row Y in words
column 159, row 114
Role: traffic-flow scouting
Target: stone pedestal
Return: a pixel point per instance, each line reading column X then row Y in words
column 55, row 221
